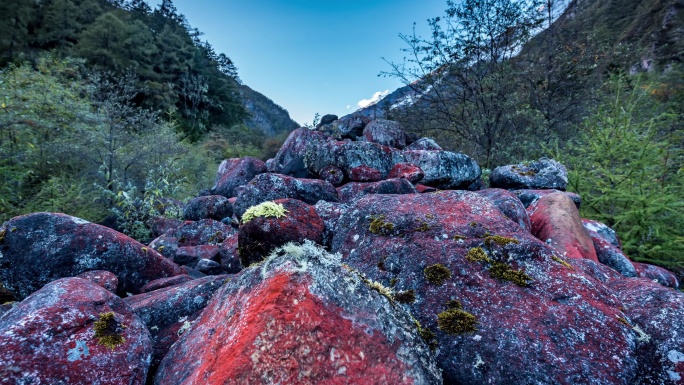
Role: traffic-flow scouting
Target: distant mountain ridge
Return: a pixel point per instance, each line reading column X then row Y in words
column 265, row 114
column 652, row 29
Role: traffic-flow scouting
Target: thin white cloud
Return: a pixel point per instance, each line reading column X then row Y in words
column 348, row 106
column 376, row 98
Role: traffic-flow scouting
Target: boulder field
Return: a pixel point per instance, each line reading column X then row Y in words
column 359, row 254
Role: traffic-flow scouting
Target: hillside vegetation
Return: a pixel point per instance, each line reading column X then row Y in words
column 98, row 97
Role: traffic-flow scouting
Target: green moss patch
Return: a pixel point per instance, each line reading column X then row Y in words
column 499, row 240
column 379, row 226
column 437, row 274
column 456, row 321
column 477, row 254
column 408, row 296
column 108, row 331
column 504, row 272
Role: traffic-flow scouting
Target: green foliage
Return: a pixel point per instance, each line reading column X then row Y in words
column 134, row 212
column 627, row 166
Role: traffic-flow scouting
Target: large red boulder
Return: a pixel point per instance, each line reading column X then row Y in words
column 102, row 278
column 355, row 190
column 656, row 316
column 168, row 312
column 500, row 306
column 235, row 172
column 408, row 171
column 42, row 247
column 348, row 155
column 300, row 318
column 556, row 221
column 261, row 234
column 73, row 331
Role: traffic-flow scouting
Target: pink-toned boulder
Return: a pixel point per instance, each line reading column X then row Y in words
column 236, row 172
column 258, row 237
column 73, row 331
column 102, row 278
column 42, row 247
column 656, row 316
column 168, row 312
column 348, row 155
column 556, row 221
column 364, row 173
column 161, row 225
column 288, row 322
column 165, row 282
column 656, row 274
column 408, row 171
column 500, row 306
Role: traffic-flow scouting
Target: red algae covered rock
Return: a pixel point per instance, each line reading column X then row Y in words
column 202, row 232
column 214, row 207
column 364, row 173
column 656, row 315
column 410, row 172
column 656, row 274
column 42, row 247
column 168, row 312
column 294, row 148
column 300, row 318
column 165, row 282
column 102, row 278
column 509, row 204
column 348, row 155
column 556, row 221
column 356, row 190
column 259, row 235
column 73, row 331
column 230, row 259
column 236, row 172
column 499, row 306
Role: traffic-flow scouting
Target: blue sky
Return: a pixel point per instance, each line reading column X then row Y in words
column 311, row 56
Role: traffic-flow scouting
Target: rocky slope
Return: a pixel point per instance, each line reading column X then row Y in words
column 358, row 255
column 265, row 115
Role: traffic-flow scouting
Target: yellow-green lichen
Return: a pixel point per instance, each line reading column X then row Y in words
column 477, row 254
column 499, row 240
column 2, row 235
column 437, row 274
column 266, row 210
column 562, row 262
column 624, row 321
column 408, row 296
column 379, row 226
column 218, row 236
column 108, row 331
column 458, row 238
column 504, row 272
column 456, row 321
